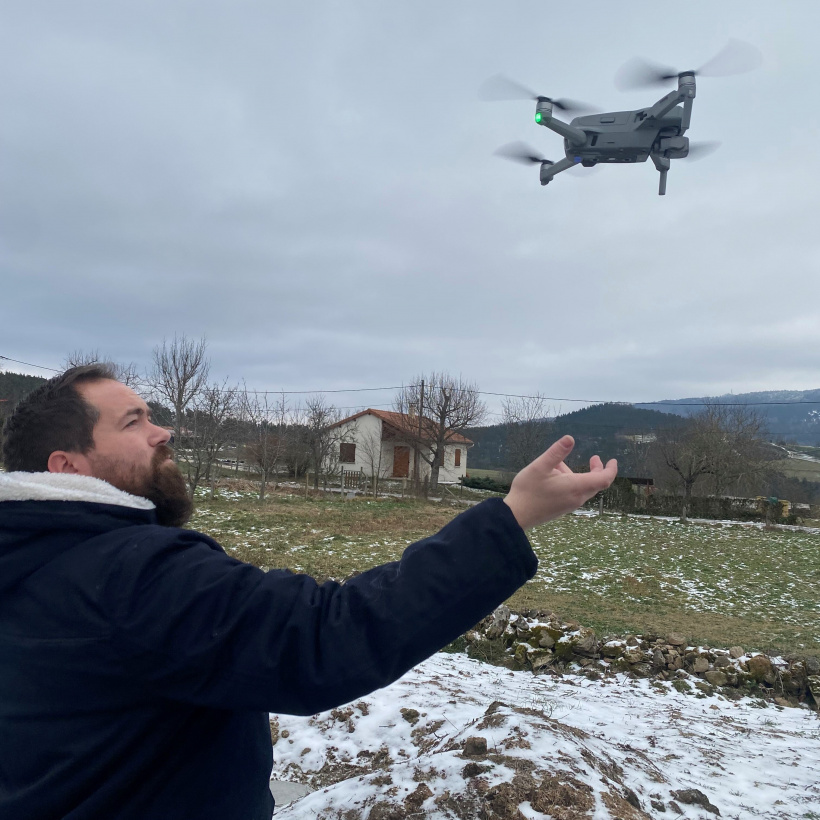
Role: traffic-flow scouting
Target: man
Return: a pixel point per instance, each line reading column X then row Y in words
column 138, row 661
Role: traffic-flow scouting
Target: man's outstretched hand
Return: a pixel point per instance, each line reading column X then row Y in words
column 547, row 488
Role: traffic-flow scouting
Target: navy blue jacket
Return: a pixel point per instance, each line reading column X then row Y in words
column 138, row 663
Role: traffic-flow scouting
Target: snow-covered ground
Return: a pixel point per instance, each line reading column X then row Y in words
column 565, row 749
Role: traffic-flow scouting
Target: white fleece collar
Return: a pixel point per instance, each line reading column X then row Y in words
column 66, row 487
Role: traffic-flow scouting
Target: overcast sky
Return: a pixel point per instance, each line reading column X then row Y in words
column 313, row 187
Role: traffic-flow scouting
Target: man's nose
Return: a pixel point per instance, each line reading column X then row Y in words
column 162, row 436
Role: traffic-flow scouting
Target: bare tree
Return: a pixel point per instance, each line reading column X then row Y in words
column 529, row 428
column 125, row 373
column 436, row 409
column 209, row 421
column 271, row 434
column 321, row 437
column 178, row 375
column 722, row 445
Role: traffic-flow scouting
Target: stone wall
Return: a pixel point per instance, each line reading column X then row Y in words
column 543, row 643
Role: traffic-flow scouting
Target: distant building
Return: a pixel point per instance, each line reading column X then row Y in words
column 379, row 443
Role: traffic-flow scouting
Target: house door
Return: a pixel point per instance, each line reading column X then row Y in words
column 401, row 461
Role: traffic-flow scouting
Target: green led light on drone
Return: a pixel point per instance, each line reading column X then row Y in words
column 538, row 116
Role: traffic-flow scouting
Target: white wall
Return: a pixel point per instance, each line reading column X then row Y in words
column 368, row 427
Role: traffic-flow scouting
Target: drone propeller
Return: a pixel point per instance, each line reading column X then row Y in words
column 700, row 150
column 736, row 57
column 500, row 87
column 521, row 152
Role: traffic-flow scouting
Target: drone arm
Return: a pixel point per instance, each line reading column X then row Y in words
column 549, row 171
column 685, row 94
column 543, row 116
column 572, row 134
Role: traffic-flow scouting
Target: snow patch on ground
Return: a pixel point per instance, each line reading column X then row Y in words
column 555, row 748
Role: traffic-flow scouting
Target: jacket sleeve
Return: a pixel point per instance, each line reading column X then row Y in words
column 195, row 625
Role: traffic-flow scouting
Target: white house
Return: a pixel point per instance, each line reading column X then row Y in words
column 377, row 442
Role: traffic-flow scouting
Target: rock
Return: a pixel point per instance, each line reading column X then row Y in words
column 521, row 654
column 632, row 798
column 540, row 658
column 473, row 769
column 501, row 619
column 792, row 680
column 812, row 666
column 722, row 661
column 761, row 669
column 700, row 665
column 737, row 652
column 633, row 654
column 632, row 641
column 813, row 682
column 695, row 797
column 642, row 670
column 414, row 800
column 546, row 641
column 716, row 677
column 676, row 663
column 475, row 746
column 612, row 649
column 584, row 642
column 676, row 639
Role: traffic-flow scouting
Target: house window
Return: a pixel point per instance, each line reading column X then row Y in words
column 458, row 458
column 347, row 453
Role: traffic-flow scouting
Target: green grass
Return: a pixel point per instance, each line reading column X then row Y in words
column 495, row 475
column 798, row 468
column 718, row 584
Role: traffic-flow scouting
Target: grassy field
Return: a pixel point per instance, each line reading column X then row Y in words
column 718, row 584
column 799, row 468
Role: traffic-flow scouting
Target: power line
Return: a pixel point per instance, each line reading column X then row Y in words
column 663, row 403
column 29, row 364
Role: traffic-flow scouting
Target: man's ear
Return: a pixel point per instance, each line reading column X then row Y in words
column 73, row 463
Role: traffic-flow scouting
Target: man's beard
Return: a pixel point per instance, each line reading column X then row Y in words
column 163, row 484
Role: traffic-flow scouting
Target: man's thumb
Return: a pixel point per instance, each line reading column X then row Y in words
column 555, row 454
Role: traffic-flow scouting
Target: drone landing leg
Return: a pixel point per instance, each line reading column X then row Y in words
column 549, row 171
column 662, row 164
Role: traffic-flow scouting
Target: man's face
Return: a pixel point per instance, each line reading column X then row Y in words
column 132, row 453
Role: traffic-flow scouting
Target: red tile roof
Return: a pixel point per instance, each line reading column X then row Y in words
column 401, row 422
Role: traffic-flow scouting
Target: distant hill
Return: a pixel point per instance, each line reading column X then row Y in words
column 791, row 415
column 595, row 429
column 14, row 386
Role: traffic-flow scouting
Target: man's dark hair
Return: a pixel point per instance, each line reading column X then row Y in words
column 55, row 416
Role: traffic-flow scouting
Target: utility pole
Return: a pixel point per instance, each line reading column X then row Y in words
column 416, row 460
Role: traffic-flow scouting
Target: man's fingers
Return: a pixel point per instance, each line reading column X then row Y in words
column 600, row 478
column 554, row 455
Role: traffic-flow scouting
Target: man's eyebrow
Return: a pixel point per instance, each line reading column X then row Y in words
column 136, row 411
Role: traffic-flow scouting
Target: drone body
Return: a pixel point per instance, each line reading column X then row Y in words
column 655, row 133
column 624, row 136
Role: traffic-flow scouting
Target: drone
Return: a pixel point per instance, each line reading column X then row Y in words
column 655, row 133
